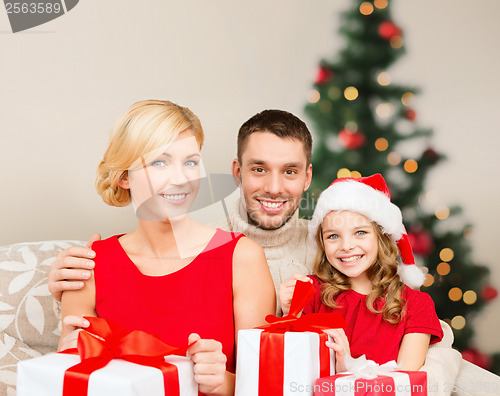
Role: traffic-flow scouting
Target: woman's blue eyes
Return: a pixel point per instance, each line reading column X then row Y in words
column 161, row 163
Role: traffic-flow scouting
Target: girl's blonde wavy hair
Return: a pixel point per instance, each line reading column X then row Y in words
column 145, row 126
column 385, row 296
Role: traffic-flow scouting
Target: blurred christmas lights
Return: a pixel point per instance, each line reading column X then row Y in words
column 411, row 166
column 455, row 294
column 394, row 158
column 384, row 78
column 366, row 8
column 351, row 93
column 313, row 96
column 446, row 254
column 381, row 144
column 442, row 212
column 458, row 322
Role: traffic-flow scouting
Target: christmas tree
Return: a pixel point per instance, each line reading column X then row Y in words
column 360, row 119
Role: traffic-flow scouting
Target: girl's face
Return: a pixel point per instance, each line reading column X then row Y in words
column 351, row 244
column 164, row 183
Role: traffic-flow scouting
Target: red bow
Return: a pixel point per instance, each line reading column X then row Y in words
column 104, row 341
column 272, row 343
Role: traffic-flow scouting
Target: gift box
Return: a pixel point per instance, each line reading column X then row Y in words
column 109, row 361
column 366, row 378
column 287, row 355
column 44, row 376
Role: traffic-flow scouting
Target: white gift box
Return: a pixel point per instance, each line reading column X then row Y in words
column 44, row 376
column 301, row 363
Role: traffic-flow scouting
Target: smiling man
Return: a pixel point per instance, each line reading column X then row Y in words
column 273, row 170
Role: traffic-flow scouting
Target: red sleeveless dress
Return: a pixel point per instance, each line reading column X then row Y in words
column 198, row 298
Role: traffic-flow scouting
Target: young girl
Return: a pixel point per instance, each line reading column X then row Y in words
column 359, row 233
column 171, row 277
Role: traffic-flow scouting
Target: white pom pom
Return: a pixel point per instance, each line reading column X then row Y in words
column 411, row 275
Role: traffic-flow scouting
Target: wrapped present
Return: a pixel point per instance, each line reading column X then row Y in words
column 287, row 355
column 366, row 378
column 109, row 361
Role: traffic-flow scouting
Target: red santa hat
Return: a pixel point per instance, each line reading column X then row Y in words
column 370, row 197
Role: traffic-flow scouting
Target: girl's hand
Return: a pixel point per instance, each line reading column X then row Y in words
column 285, row 291
column 209, row 363
column 74, row 324
column 340, row 345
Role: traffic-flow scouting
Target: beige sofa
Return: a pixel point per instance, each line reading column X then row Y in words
column 29, row 320
column 30, row 324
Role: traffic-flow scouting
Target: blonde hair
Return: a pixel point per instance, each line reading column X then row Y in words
column 145, row 126
column 385, row 296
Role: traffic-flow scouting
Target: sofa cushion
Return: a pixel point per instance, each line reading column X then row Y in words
column 29, row 316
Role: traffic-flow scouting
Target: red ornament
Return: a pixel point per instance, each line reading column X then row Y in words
column 387, row 30
column 410, row 114
column 324, row 75
column 352, row 140
column 421, row 242
column 478, row 358
column 489, row 293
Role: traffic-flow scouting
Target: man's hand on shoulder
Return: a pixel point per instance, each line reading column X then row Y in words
column 71, row 267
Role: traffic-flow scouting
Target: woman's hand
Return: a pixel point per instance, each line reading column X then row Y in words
column 285, row 291
column 73, row 324
column 340, row 345
column 209, row 364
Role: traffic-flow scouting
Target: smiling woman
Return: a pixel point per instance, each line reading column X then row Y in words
column 181, row 280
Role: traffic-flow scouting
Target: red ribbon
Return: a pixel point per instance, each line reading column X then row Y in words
column 104, row 341
column 272, row 339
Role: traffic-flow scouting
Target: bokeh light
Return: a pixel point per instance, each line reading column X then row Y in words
column 455, row 294
column 380, row 4
column 458, row 322
column 333, row 93
column 351, row 93
column 443, row 212
column 384, row 78
column 385, row 110
column 443, row 269
column 407, row 98
column 394, row 158
column 313, row 96
column 355, row 174
column 446, row 254
column 429, row 280
column 344, row 172
column 470, row 297
column 381, row 144
column 411, row 166
column 366, row 8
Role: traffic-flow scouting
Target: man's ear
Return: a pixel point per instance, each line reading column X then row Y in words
column 123, row 182
column 236, row 171
column 309, row 172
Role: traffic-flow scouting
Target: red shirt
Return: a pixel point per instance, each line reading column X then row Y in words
column 198, row 298
column 368, row 333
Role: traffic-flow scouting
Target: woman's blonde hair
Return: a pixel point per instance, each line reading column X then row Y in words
column 385, row 296
column 145, row 126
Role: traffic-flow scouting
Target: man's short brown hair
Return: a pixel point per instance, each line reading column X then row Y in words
column 281, row 123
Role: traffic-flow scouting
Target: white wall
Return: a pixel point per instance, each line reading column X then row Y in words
column 63, row 84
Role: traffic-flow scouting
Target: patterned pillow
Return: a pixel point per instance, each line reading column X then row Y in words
column 29, row 318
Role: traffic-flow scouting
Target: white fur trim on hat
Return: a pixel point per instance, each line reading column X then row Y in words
column 360, row 198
